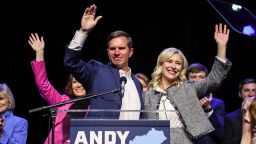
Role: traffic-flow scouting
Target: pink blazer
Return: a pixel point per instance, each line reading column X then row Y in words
column 52, row 96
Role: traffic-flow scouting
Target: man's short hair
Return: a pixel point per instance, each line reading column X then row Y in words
column 196, row 68
column 245, row 81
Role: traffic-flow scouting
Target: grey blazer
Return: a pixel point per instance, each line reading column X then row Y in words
column 185, row 97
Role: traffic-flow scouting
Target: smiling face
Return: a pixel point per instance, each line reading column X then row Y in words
column 119, row 52
column 171, row 69
column 77, row 88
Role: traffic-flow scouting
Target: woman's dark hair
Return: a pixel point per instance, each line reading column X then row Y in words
column 68, row 88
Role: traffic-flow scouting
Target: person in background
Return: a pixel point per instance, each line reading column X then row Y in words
column 249, row 120
column 214, row 107
column 143, row 80
column 13, row 129
column 106, row 78
column 234, row 119
column 73, row 90
column 169, row 90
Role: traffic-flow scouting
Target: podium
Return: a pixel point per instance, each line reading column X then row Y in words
column 114, row 131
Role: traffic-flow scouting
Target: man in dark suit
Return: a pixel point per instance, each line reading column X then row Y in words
column 234, row 120
column 214, row 107
column 101, row 78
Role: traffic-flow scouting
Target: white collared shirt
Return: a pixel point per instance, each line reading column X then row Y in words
column 78, row 41
column 131, row 99
column 171, row 114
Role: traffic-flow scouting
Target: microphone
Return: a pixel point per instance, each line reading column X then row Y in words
column 123, row 81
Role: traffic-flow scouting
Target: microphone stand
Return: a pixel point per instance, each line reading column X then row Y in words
column 53, row 111
column 53, row 116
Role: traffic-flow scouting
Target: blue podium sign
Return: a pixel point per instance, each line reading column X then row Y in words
column 103, row 131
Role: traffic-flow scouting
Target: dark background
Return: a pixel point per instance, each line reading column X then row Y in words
column 154, row 25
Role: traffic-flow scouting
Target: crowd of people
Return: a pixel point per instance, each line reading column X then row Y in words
column 185, row 92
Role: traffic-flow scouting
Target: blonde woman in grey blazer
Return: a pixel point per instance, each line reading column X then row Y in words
column 169, row 90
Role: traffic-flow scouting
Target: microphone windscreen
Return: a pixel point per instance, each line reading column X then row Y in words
column 123, row 79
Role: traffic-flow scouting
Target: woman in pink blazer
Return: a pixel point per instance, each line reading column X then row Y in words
column 73, row 89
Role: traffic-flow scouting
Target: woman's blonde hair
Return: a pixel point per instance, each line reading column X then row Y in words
column 252, row 112
column 164, row 56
